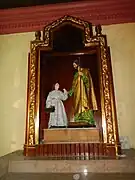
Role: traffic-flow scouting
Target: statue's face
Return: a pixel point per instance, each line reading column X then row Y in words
column 57, row 86
column 75, row 65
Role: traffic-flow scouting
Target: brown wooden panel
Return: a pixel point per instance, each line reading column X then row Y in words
column 74, row 150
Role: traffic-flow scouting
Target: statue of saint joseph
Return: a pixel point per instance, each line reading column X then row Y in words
column 84, row 99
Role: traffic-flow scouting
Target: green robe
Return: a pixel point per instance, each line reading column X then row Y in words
column 84, row 100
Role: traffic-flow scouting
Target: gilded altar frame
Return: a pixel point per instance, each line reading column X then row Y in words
column 109, row 119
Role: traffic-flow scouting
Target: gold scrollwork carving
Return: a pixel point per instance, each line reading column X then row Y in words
column 106, row 90
column 32, row 93
column 32, row 81
column 32, row 89
column 87, row 28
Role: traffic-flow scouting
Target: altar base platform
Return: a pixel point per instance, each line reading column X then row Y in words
column 71, row 135
column 71, row 143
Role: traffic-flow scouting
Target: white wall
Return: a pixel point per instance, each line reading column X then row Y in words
column 121, row 39
column 13, row 81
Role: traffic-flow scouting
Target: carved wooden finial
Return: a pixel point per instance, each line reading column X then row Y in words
column 98, row 30
column 38, row 35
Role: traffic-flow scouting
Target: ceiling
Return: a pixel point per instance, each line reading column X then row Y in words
column 6, row 4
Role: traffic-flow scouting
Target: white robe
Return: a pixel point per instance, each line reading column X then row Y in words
column 58, row 117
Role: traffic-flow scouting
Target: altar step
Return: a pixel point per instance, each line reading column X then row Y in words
column 69, row 176
column 71, row 166
column 15, row 166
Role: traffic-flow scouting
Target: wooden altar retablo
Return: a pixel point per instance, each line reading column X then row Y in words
column 51, row 57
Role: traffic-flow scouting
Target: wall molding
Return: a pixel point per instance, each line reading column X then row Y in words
column 104, row 12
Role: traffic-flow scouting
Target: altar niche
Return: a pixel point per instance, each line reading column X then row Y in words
column 58, row 67
column 50, row 61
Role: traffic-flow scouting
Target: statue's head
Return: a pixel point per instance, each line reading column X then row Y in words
column 76, row 63
column 56, row 86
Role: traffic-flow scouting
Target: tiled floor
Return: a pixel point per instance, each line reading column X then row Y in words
column 65, row 176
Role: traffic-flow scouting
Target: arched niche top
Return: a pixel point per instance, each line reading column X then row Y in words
column 87, row 27
column 67, row 20
column 90, row 36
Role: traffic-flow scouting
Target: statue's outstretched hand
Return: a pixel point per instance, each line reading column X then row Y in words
column 65, row 91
